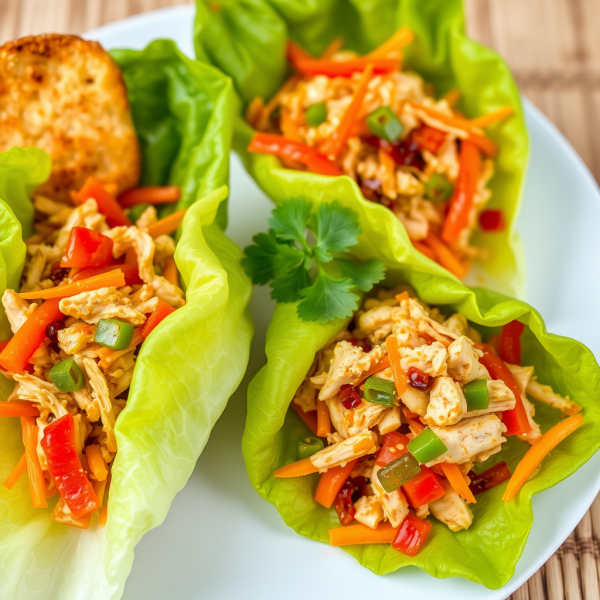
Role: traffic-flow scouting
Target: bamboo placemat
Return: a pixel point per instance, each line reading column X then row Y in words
column 553, row 48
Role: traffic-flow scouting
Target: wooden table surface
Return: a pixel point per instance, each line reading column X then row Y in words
column 553, row 49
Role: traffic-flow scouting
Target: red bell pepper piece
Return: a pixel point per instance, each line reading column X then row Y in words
column 488, row 479
column 150, row 194
column 87, row 248
column 107, row 204
column 516, row 420
column 394, row 446
column 162, row 311
column 130, row 272
column 429, row 139
column 510, row 342
column 268, row 143
column 412, row 535
column 492, row 220
column 345, row 68
column 423, row 488
column 26, row 341
column 65, row 467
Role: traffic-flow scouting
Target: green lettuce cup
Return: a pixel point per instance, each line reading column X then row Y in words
column 247, row 40
column 488, row 551
column 187, row 368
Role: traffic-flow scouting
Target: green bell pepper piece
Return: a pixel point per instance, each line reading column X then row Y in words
column 383, row 123
column 438, row 188
column 398, row 472
column 67, row 376
column 379, row 391
column 316, row 114
column 426, row 446
column 476, row 395
column 113, row 334
column 309, row 446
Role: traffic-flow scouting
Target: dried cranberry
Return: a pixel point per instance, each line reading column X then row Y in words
column 59, row 274
column 344, row 505
column 53, row 329
column 418, row 379
column 404, row 152
column 359, row 487
column 349, row 396
column 362, row 344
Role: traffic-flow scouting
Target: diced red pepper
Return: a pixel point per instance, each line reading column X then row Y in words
column 394, row 446
column 65, row 467
column 162, row 311
column 352, row 490
column 492, row 220
column 345, row 68
column 425, row 487
column 412, row 535
column 488, row 479
column 403, row 152
column 418, row 379
column 429, row 139
column 510, row 342
column 107, row 204
column 130, row 272
column 516, row 420
column 87, row 248
column 349, row 397
column 150, row 194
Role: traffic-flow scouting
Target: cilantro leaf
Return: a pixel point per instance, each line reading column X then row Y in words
column 259, row 259
column 336, row 229
column 363, row 275
column 327, row 299
column 290, row 220
column 288, row 287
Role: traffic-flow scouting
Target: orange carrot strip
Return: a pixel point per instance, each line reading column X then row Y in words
column 361, row 534
column 335, row 143
column 37, row 481
column 96, row 462
column 331, row 482
column 18, row 408
column 538, row 451
column 452, row 96
column 21, row 467
column 170, row 272
column 167, row 225
column 308, row 418
column 394, row 44
column 323, row 419
column 296, row 469
column 394, row 355
column 103, row 516
column 111, row 188
column 111, row 279
column 496, row 115
column 150, row 194
column 383, row 364
column 458, row 482
column 445, row 255
column 289, row 127
column 335, row 45
column 402, row 296
column 424, row 249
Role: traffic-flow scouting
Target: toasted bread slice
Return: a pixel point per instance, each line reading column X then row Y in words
column 67, row 96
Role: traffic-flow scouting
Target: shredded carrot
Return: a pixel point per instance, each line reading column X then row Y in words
column 323, row 419
column 382, row 365
column 446, row 257
column 296, row 52
column 111, row 279
column 254, row 111
column 394, row 355
column 150, row 194
column 452, row 96
column 424, row 249
column 170, row 272
column 415, row 426
column 21, row 467
column 387, row 162
column 37, row 481
column 331, row 482
column 394, row 44
column 335, row 45
column 335, row 143
column 538, row 451
column 289, row 127
column 402, row 296
column 109, row 356
column 111, row 188
column 167, row 225
column 458, row 482
column 18, row 408
column 308, row 418
column 103, row 516
column 496, row 115
column 96, row 462
column 351, row 535
column 296, row 469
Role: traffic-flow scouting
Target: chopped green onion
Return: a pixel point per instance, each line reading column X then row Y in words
column 385, row 124
column 113, row 334
column 135, row 212
column 309, row 446
column 438, row 188
column 67, row 376
column 379, row 391
column 476, row 395
column 426, row 446
column 398, row 472
column 316, row 114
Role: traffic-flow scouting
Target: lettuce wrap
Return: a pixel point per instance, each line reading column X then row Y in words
column 186, row 370
column 247, row 40
column 487, row 552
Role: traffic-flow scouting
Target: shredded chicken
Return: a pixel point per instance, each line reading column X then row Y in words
column 395, row 505
column 105, row 303
column 17, row 310
column 345, row 451
column 545, row 394
column 447, row 403
column 369, row 511
column 451, row 510
column 101, row 394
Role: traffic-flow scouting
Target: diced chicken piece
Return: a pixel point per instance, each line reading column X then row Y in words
column 167, row 292
column 500, row 399
column 364, row 467
column 469, row 438
column 390, row 420
column 144, row 300
column 363, row 417
column 404, row 328
column 426, row 324
column 535, row 434
column 17, row 310
column 377, row 323
column 104, row 303
column 522, row 376
column 451, row 509
column 101, row 394
column 348, row 364
column 422, row 512
column 545, row 394
column 164, row 247
column 87, row 402
column 34, row 389
column 431, row 359
column 447, row 403
column 463, row 362
column 395, row 506
column 369, row 511
column 415, row 400
column 147, row 218
column 306, row 396
column 75, row 338
column 334, row 438
column 62, row 514
column 47, row 206
column 125, row 238
column 337, row 413
column 457, row 323
column 346, row 451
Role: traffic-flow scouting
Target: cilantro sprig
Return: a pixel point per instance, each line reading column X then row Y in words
column 321, row 275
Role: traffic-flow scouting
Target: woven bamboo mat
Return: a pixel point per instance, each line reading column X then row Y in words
column 553, row 48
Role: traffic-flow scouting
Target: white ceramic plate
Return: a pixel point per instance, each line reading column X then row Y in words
column 221, row 540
